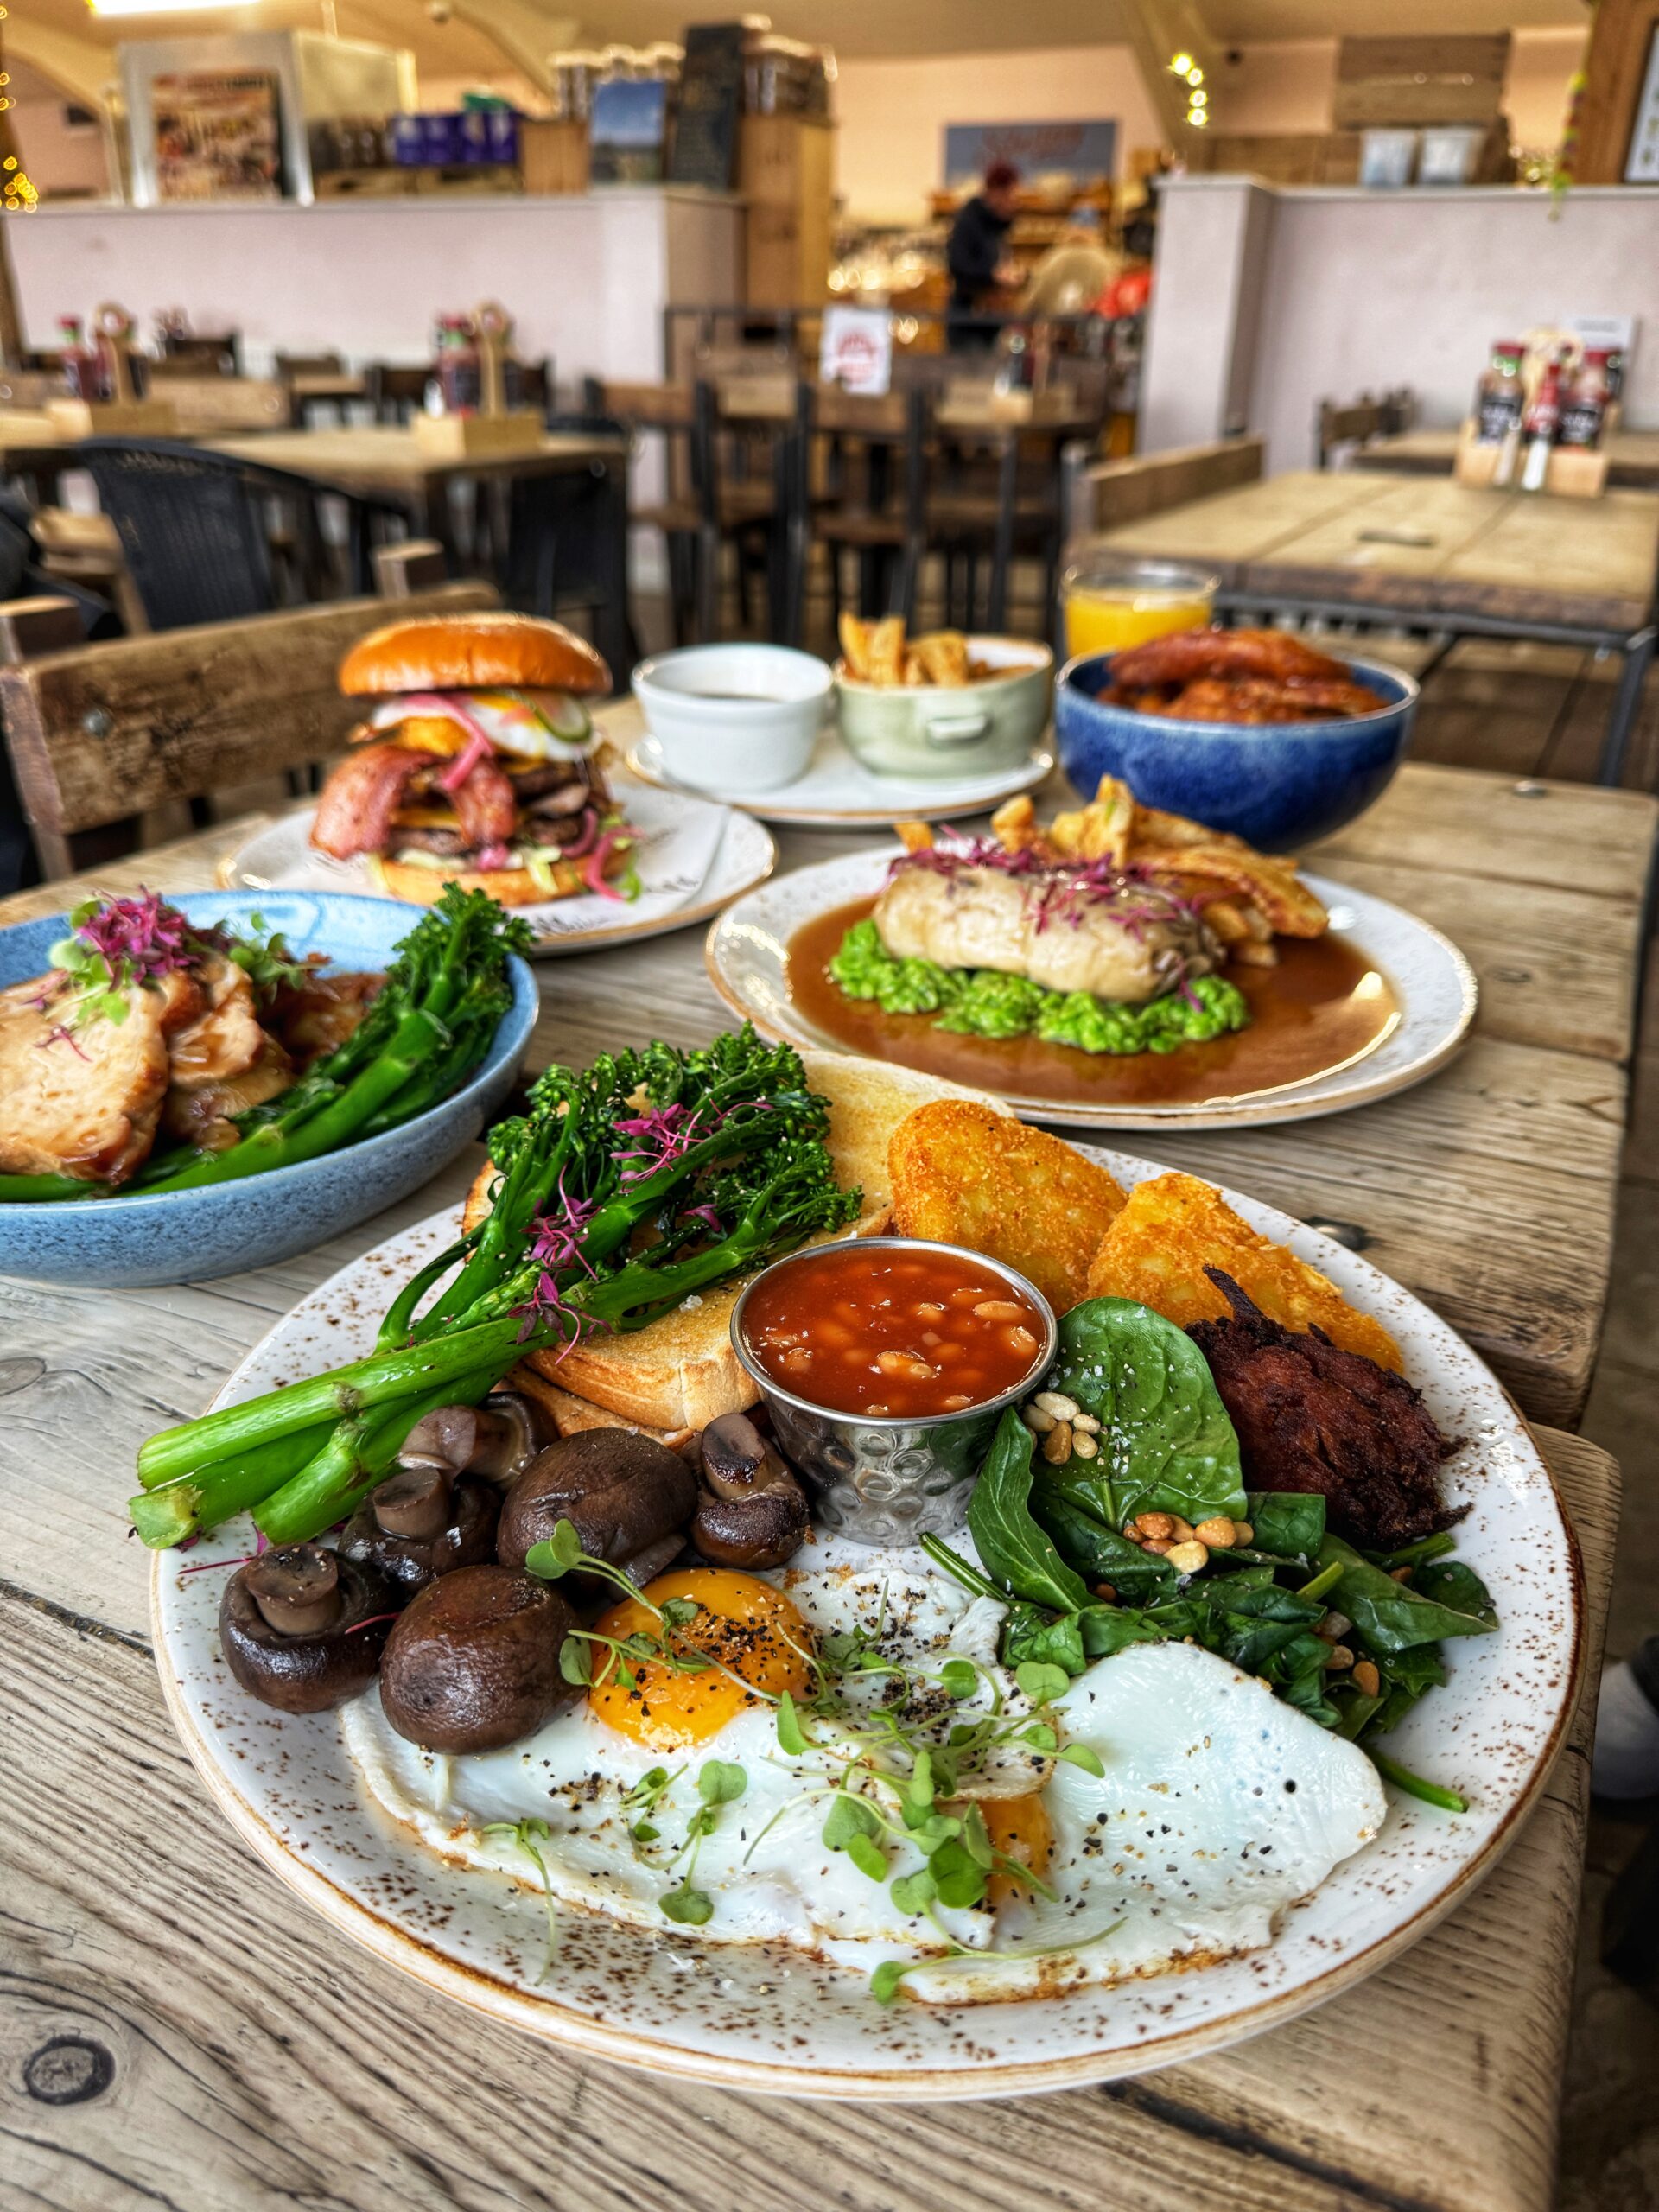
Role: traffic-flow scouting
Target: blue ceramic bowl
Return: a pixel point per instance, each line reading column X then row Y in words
column 189, row 1236
column 1277, row 785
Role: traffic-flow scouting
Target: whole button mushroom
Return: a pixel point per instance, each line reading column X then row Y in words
column 421, row 1522
column 303, row 1628
column 474, row 1661
column 751, row 1510
column 628, row 1497
column 496, row 1441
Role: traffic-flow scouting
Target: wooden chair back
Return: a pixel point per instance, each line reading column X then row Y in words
column 419, row 564
column 1115, row 493
column 310, row 365
column 199, row 357
column 206, row 404
column 394, row 390
column 99, row 733
column 1399, row 410
column 858, row 414
column 642, row 406
column 1337, row 426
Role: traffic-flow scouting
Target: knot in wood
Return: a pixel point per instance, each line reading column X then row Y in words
column 68, row 2070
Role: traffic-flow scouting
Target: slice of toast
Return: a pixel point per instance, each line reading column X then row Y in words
column 680, row 1372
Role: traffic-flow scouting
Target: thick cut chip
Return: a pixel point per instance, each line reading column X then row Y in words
column 1174, row 1227
column 962, row 1174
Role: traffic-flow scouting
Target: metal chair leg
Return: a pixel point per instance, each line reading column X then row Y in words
column 1627, row 698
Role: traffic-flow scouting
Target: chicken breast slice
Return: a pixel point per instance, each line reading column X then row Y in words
column 85, row 1102
column 1129, row 945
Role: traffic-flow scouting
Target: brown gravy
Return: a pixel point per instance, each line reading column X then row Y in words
column 1323, row 1006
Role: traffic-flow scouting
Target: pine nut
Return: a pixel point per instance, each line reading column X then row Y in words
column 1156, row 1524
column 1243, row 1533
column 1036, row 1419
column 1219, row 1532
column 1105, row 1593
column 1157, row 1544
column 1334, row 1627
column 1182, row 1531
column 1340, row 1656
column 1056, row 1403
column 1087, row 1423
column 1057, row 1445
column 1188, row 1556
column 1083, row 1446
column 1400, row 1574
column 1366, row 1678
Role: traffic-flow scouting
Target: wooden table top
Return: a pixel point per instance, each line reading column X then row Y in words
column 1421, row 545
column 378, row 456
column 232, row 2051
column 1632, row 455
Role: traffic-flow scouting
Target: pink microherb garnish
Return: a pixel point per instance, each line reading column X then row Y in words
column 144, row 935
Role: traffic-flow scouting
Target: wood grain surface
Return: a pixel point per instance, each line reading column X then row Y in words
column 1422, row 545
column 1632, row 455
column 173, row 2030
column 176, row 2031
column 386, row 456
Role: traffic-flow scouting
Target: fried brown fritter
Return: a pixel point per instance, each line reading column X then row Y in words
column 1314, row 1418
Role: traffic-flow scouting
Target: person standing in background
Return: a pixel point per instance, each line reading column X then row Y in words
column 977, row 256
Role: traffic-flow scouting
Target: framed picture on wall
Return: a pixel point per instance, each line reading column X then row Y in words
column 1642, row 160
column 217, row 135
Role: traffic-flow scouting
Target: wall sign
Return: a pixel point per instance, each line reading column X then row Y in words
column 1035, row 148
column 711, row 99
column 856, row 349
column 1642, row 162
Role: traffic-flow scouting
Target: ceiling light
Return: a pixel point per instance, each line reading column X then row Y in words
column 1198, row 118
column 160, row 7
column 1181, row 63
column 1199, row 99
column 1195, row 75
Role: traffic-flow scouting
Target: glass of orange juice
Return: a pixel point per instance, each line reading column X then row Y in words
column 1113, row 601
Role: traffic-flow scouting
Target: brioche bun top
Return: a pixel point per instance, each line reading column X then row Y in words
column 472, row 653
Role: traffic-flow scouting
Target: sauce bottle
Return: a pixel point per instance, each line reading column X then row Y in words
column 1500, row 400
column 1540, row 426
column 458, row 368
column 1585, row 407
column 82, row 371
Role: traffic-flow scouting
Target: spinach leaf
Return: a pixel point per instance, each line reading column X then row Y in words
column 1108, row 1629
column 1052, row 1639
column 1451, row 1583
column 1099, row 1554
column 1389, row 1616
column 1288, row 1523
column 1013, row 1550
column 1166, row 1443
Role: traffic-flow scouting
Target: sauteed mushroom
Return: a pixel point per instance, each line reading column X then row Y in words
column 474, row 1661
column 303, row 1628
column 496, row 1441
column 751, row 1510
column 421, row 1522
column 625, row 1494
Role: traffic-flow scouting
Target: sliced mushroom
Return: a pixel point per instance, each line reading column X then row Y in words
column 624, row 1493
column 421, row 1522
column 303, row 1628
column 496, row 1441
column 474, row 1661
column 751, row 1510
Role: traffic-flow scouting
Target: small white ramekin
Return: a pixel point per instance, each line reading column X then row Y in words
column 733, row 718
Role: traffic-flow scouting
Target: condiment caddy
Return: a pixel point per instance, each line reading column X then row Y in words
column 472, row 361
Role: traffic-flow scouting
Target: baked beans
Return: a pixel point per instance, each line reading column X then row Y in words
column 889, row 1332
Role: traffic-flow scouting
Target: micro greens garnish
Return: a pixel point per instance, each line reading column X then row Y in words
column 529, row 1835
column 719, row 1782
column 885, row 1980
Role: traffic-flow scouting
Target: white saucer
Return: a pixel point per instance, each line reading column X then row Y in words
column 836, row 791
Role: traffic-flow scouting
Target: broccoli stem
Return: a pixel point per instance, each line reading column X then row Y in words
column 40, row 1190
column 382, row 1379
column 1414, row 1785
column 192, row 1504
column 338, row 1477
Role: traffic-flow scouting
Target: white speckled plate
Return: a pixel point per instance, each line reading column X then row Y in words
column 837, row 791
column 747, row 959
column 771, row 2019
column 694, row 857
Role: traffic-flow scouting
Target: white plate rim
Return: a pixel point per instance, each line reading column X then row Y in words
column 1359, row 1083
column 738, row 829
column 546, row 2018
column 776, row 806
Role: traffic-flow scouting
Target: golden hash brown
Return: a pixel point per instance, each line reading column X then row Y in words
column 962, row 1174
column 1174, row 1227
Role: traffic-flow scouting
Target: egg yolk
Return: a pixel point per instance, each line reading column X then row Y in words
column 1018, row 1827
column 742, row 1623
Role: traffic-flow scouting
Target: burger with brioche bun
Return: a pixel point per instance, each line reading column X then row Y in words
column 477, row 764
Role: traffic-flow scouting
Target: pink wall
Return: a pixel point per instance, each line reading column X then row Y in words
column 893, row 114
column 1269, row 299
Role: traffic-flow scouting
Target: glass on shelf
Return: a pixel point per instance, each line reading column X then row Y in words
column 1113, row 601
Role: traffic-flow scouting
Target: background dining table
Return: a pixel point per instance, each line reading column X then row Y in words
column 1632, row 455
column 177, row 2030
column 1423, row 551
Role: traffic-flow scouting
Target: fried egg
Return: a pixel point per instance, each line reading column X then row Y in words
column 1219, row 1806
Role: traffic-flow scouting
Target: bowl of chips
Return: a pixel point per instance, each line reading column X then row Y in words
column 944, row 704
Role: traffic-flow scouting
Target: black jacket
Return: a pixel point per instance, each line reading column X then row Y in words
column 975, row 253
